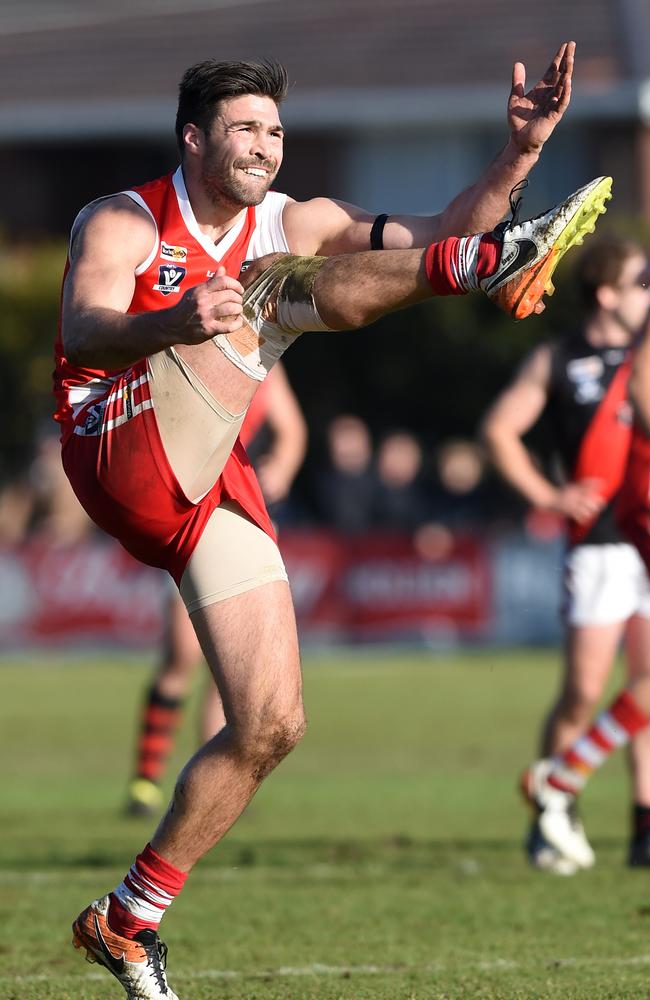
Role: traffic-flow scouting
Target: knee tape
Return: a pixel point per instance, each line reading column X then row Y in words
column 278, row 307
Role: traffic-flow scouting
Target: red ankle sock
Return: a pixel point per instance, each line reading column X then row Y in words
column 140, row 901
column 445, row 264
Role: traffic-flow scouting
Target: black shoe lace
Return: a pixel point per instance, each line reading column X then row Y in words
column 156, row 952
column 515, row 199
column 515, row 202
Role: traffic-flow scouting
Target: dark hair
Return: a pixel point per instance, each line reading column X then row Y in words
column 206, row 84
column 601, row 263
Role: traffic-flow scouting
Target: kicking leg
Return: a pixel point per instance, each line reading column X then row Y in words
column 286, row 295
column 513, row 266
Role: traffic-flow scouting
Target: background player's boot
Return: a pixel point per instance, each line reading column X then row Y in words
column 137, row 963
column 531, row 250
column 639, row 853
column 543, row 856
column 557, row 819
column 144, row 798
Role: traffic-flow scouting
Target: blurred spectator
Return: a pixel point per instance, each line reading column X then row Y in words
column 401, row 500
column 463, row 497
column 16, row 506
column 56, row 512
column 345, row 486
column 40, row 502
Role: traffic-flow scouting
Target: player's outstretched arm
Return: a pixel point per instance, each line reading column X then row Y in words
column 324, row 226
column 532, row 117
column 110, row 243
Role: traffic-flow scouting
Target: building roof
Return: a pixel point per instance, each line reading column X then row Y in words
column 84, row 67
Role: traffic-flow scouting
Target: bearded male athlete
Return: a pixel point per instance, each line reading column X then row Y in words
column 162, row 347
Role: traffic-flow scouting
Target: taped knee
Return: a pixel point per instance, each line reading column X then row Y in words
column 278, row 306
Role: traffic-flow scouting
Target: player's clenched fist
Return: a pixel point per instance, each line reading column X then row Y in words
column 209, row 309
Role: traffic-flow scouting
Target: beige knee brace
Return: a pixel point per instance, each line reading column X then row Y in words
column 278, row 306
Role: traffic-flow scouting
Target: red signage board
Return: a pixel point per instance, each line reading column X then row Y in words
column 348, row 589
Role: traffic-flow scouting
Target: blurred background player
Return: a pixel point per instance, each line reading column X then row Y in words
column 553, row 785
column 274, row 434
column 606, row 588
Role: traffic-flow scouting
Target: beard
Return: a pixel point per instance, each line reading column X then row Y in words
column 236, row 188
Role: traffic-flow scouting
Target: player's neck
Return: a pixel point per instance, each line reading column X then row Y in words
column 213, row 218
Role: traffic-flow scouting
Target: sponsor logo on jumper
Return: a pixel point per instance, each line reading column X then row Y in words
column 169, row 252
column 169, row 278
column 94, row 418
column 128, row 401
column 585, row 369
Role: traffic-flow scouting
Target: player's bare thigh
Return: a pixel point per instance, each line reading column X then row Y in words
column 251, row 644
column 236, row 590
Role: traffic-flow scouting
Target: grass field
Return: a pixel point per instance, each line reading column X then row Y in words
column 382, row 860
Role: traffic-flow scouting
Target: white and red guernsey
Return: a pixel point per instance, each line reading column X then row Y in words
column 111, row 447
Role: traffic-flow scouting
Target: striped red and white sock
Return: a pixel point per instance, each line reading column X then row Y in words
column 160, row 718
column 612, row 729
column 149, row 888
column 456, row 265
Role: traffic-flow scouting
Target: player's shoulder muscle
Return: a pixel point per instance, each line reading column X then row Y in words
column 113, row 228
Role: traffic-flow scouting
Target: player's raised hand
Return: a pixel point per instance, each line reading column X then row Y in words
column 209, row 309
column 532, row 116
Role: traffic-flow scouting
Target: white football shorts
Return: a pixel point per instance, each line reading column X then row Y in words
column 604, row 584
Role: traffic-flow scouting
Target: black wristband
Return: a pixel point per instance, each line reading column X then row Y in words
column 377, row 233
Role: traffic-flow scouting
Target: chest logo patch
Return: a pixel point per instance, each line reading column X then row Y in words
column 583, row 369
column 168, row 252
column 169, row 278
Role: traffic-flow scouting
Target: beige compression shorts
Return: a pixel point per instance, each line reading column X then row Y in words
column 233, row 554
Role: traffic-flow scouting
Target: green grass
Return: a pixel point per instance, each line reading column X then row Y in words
column 382, row 860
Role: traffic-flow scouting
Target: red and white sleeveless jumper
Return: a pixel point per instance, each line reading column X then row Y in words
column 111, row 447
